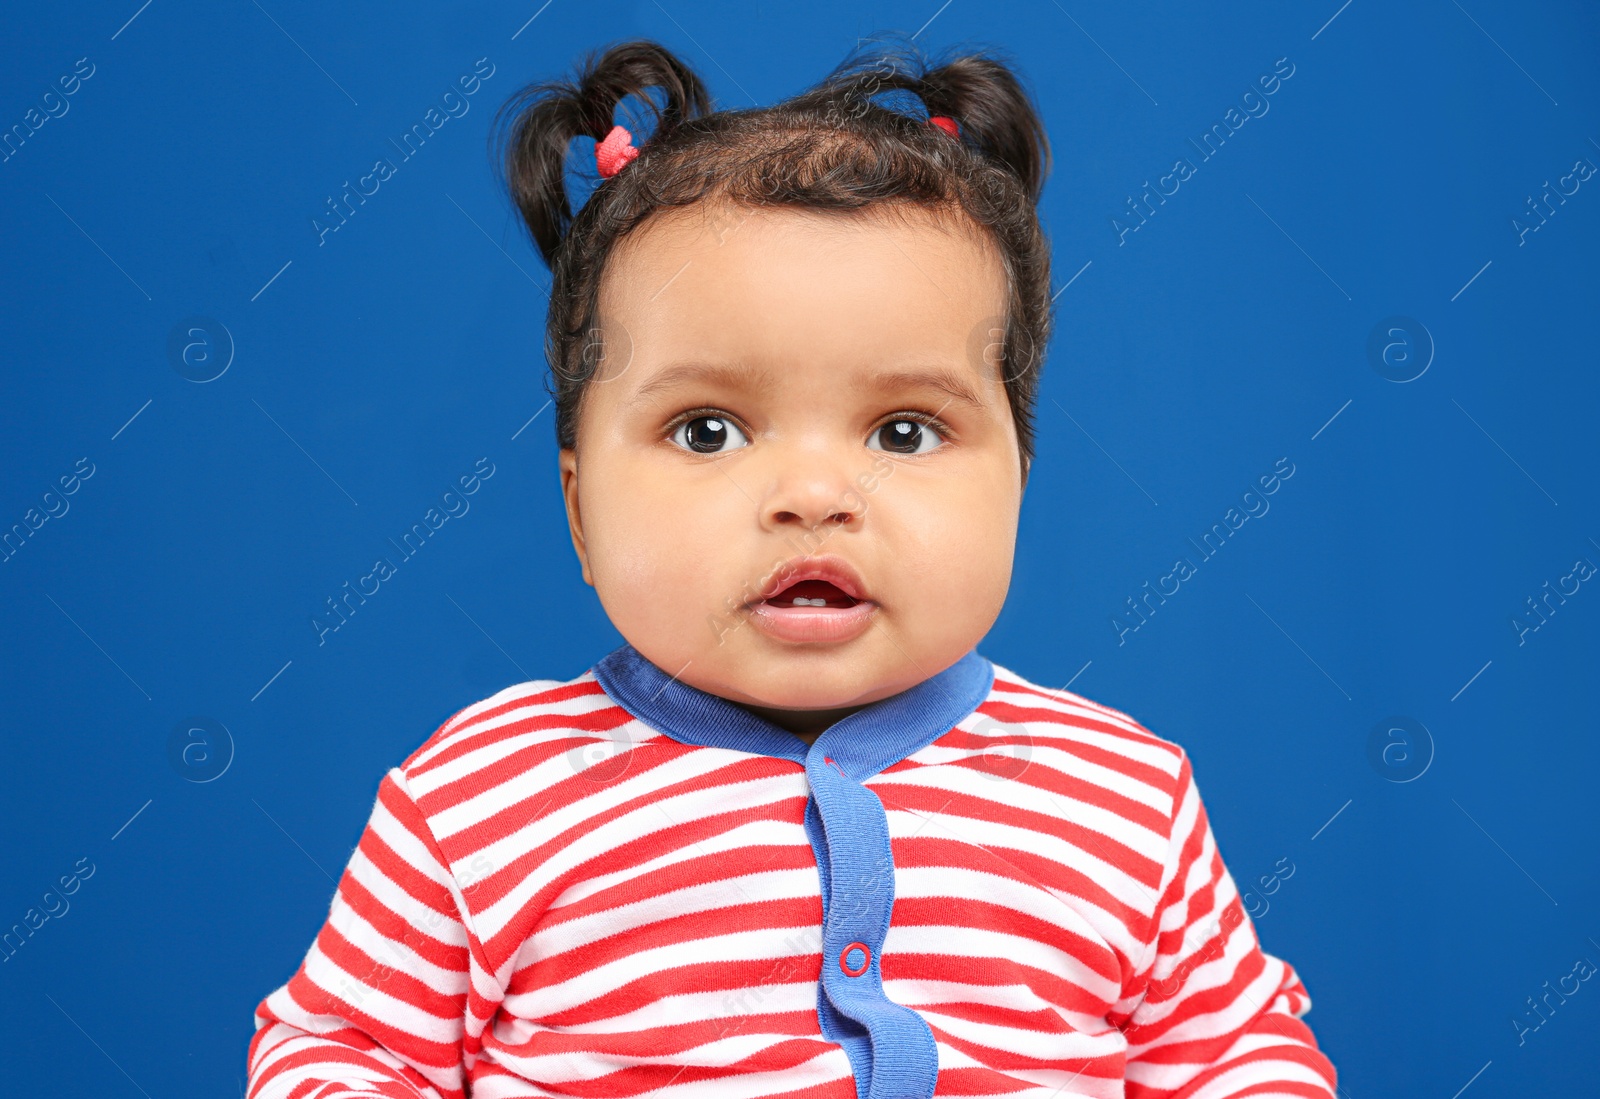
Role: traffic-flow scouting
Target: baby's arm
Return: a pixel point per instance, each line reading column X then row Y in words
column 378, row 1006
column 1218, row 1017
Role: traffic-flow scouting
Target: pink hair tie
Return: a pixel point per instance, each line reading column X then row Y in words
column 945, row 123
column 615, row 152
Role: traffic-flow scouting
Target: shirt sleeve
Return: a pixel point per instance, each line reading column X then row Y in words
column 1218, row 1018
column 378, row 1006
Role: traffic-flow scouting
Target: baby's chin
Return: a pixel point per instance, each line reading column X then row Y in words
column 735, row 658
column 806, row 677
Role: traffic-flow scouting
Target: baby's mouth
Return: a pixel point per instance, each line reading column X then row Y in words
column 811, row 593
column 815, row 600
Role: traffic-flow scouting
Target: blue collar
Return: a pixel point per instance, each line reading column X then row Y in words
column 862, row 743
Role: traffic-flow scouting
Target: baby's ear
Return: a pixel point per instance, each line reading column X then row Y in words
column 567, row 462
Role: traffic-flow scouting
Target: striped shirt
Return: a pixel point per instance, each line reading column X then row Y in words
column 621, row 886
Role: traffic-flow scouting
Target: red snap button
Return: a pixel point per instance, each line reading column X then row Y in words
column 866, row 959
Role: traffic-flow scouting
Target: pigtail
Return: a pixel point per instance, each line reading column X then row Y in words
column 994, row 113
column 533, row 129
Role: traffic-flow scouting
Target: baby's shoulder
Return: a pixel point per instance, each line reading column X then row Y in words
column 522, row 715
column 1082, row 727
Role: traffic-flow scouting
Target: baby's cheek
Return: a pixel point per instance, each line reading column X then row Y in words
column 652, row 572
column 966, row 532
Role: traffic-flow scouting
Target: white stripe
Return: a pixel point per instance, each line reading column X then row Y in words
column 756, row 833
column 495, row 748
column 995, row 839
column 705, row 897
column 587, row 986
column 1026, row 797
column 649, row 819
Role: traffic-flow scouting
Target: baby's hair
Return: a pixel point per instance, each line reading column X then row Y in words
column 858, row 139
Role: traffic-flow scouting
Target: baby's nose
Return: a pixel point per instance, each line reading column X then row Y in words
column 811, row 495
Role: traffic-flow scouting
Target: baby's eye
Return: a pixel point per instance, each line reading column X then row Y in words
column 709, row 435
column 905, row 437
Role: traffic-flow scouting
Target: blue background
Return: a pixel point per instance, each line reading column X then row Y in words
column 374, row 369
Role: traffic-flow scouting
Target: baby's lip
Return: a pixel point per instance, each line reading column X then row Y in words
column 830, row 567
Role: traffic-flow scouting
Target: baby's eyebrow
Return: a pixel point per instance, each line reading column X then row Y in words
column 725, row 375
column 948, row 382
column 754, row 379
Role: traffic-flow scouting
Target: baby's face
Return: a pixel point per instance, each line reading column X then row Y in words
column 807, row 390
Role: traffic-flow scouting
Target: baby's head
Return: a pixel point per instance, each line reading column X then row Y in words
column 795, row 351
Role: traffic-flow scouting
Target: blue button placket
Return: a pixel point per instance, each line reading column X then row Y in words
column 891, row 1049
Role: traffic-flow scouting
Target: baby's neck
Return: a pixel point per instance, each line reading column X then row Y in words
column 805, row 724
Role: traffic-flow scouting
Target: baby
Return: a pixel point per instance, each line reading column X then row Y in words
column 796, row 837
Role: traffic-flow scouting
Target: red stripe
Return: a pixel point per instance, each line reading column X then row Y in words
column 901, row 965
column 682, row 980
column 943, row 911
column 930, row 801
column 1113, row 717
column 396, row 929
column 314, row 1000
column 1151, row 776
column 341, row 1047
column 663, row 1041
column 455, row 723
column 936, row 851
column 382, row 976
column 663, row 841
column 1041, row 776
column 699, row 870
column 572, row 790
column 777, row 1057
column 795, row 912
column 511, row 764
column 978, row 1081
